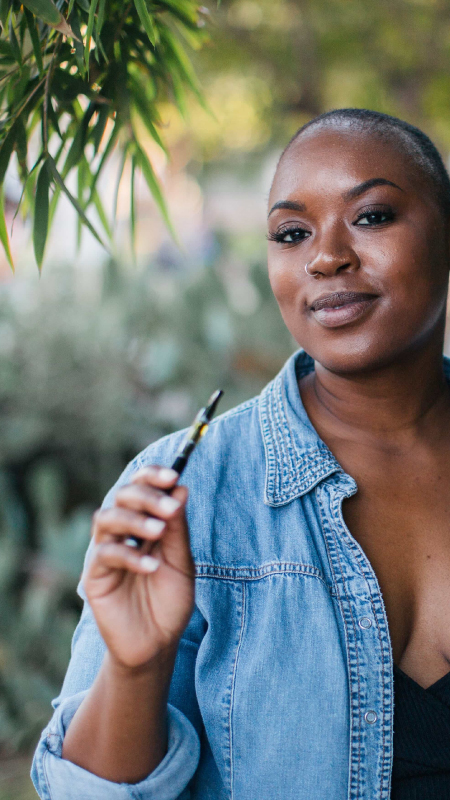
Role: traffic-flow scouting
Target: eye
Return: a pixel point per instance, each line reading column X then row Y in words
column 288, row 235
column 374, row 217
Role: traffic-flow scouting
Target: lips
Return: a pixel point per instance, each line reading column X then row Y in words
column 339, row 308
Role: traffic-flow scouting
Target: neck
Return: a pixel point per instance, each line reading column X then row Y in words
column 392, row 402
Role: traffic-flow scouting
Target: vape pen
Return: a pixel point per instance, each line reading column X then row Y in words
column 193, row 436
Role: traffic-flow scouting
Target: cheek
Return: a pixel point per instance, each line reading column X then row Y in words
column 285, row 280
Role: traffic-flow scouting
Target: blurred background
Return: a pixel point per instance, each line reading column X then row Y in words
column 100, row 356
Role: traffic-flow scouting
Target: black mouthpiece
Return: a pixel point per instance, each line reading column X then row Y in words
column 212, row 403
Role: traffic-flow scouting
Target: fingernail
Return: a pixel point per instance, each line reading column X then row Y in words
column 148, row 563
column 153, row 525
column 168, row 504
column 144, row 472
column 167, row 474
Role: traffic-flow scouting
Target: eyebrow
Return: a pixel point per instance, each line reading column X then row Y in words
column 351, row 194
column 364, row 187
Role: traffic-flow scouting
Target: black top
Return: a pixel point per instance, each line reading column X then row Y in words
column 421, row 769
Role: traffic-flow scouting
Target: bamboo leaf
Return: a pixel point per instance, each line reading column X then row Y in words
column 146, row 20
column 90, row 28
column 21, row 146
column 154, row 186
column 142, row 107
column 100, row 127
column 100, row 16
column 40, row 227
column 3, row 232
column 59, row 181
column 105, row 155
column 79, row 141
column 6, row 151
column 13, row 41
column 119, row 178
column 133, row 207
column 5, row 8
column 45, row 10
column 5, row 48
column 101, row 213
column 34, row 35
column 27, row 190
column 48, row 13
column 78, row 44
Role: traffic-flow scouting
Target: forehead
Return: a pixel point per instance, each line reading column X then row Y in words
column 334, row 160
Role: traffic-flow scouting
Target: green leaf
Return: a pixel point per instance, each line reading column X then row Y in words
column 59, row 181
column 21, row 146
column 100, row 17
column 45, row 10
column 48, row 13
column 40, row 224
column 146, row 20
column 119, row 178
column 79, row 140
column 54, row 119
column 90, row 28
column 3, row 232
column 142, row 106
column 83, row 171
column 5, row 48
column 100, row 126
column 181, row 63
column 6, row 150
column 101, row 213
column 133, row 207
column 5, row 8
column 27, row 189
column 154, row 186
column 13, row 41
column 34, row 35
column 78, row 44
column 105, row 155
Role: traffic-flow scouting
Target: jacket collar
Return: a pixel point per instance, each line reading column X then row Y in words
column 296, row 458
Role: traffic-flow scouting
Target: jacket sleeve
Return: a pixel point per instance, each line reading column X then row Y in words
column 56, row 778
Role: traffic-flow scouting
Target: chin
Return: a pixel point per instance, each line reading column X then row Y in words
column 346, row 357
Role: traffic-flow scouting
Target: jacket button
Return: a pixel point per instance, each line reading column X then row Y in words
column 370, row 717
column 365, row 623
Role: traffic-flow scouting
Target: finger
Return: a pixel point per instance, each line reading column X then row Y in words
column 119, row 556
column 161, row 477
column 148, row 500
column 118, row 522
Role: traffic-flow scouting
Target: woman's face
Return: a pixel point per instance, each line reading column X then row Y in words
column 362, row 216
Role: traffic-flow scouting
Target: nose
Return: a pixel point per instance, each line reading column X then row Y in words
column 333, row 254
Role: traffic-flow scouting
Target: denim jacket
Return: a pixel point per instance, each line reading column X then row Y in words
column 283, row 680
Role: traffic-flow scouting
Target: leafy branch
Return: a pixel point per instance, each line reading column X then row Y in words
column 75, row 75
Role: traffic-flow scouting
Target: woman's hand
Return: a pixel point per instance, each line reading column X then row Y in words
column 141, row 605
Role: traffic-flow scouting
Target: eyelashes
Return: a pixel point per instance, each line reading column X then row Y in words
column 376, row 215
column 369, row 217
column 295, row 233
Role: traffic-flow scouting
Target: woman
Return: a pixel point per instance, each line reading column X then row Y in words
column 317, row 526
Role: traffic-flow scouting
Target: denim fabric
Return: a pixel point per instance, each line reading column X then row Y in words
column 283, row 681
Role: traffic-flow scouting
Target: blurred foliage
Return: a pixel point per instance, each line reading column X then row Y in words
column 271, row 65
column 89, row 374
column 74, row 85
column 88, row 378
